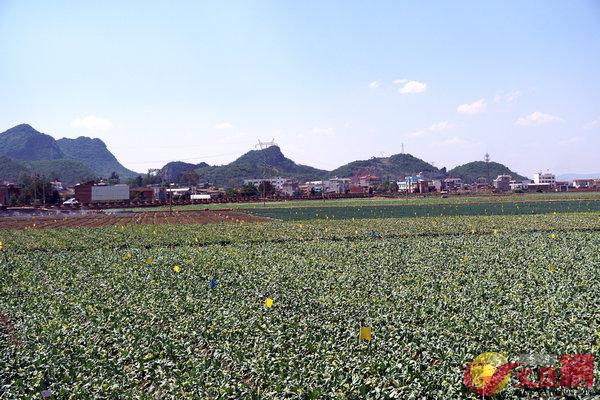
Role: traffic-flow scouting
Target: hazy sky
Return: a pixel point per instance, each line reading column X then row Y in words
column 330, row 81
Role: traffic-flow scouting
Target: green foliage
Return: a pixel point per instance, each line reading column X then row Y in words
column 114, row 178
column 396, row 166
column 190, row 178
column 69, row 171
column 95, row 155
column 395, row 211
column 11, row 169
column 266, row 163
column 22, row 148
column 22, row 142
column 470, row 172
column 85, row 309
column 249, row 190
column 173, row 172
column 36, row 190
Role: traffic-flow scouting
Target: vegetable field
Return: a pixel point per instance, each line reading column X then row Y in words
column 178, row 311
column 413, row 210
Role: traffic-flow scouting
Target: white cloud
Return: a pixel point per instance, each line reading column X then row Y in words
column 592, row 125
column 454, row 141
column 415, row 133
column 537, row 119
column 375, row 84
column 410, row 86
column 508, row 97
column 323, row 131
column 472, row 108
column 92, row 123
column 570, row 141
column 223, row 125
column 512, row 96
column 441, row 126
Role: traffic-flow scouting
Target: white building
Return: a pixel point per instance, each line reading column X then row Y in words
column 337, row 185
column 544, row 178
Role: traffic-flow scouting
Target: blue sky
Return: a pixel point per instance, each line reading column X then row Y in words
column 330, row 81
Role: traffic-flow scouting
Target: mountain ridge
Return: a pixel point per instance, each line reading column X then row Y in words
column 23, row 149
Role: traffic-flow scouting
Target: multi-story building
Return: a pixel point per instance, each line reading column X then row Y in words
column 453, row 183
column 337, row 185
column 502, row 183
column 583, row 183
column 544, row 178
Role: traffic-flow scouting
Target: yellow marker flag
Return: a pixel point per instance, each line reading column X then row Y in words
column 495, row 231
column 0, row 245
column 365, row 333
column 176, row 268
column 269, row 302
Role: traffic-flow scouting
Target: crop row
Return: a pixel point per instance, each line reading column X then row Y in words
column 108, row 321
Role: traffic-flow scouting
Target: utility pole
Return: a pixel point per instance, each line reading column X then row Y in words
column 171, row 199
column 487, row 166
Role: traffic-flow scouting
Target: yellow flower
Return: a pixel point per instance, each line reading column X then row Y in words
column 552, row 268
column 269, row 302
column 465, row 259
column 149, row 260
column 365, row 333
column 553, row 236
column 495, row 231
column 176, row 268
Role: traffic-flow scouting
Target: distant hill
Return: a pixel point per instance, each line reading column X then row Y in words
column 396, row 166
column 94, row 154
column 269, row 162
column 69, row 171
column 11, row 169
column 173, row 171
column 24, row 149
column 571, row 177
column 471, row 171
column 25, row 143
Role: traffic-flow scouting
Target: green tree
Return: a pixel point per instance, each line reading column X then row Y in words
column 136, row 182
column 266, row 188
column 231, row 192
column 249, row 190
column 114, row 179
column 190, row 178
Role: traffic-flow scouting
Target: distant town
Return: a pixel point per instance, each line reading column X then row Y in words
column 38, row 170
column 37, row 191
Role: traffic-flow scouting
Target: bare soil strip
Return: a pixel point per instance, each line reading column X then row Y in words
column 144, row 218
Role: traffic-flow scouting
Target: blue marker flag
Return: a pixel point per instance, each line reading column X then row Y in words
column 213, row 283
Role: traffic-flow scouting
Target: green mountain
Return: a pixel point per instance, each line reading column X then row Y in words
column 23, row 149
column 470, row 172
column 94, row 154
column 269, row 162
column 396, row 166
column 69, row 172
column 25, row 143
column 11, row 169
column 173, row 171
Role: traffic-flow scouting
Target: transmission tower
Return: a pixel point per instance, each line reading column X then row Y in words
column 263, row 145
